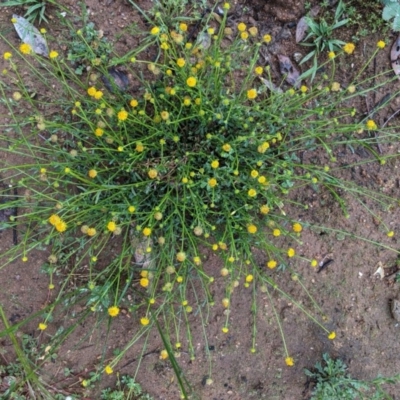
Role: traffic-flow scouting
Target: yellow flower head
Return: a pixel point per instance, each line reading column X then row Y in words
column 111, row 226
column 381, row 44
column 98, row 95
column 113, row 311
column 291, row 252
column 252, row 193
column 264, row 209
column 92, row 173
column 303, row 89
column 297, row 227
column 371, row 125
column 241, row 27
column 54, row 219
column 61, row 226
column 144, row 282
column 146, row 231
column 152, row 173
column 254, row 173
column 191, row 81
column 108, row 370
column 155, row 30
column 181, row 256
column 122, row 115
column 212, row 182
column 163, row 354
column 53, row 54
column 332, row 335
column 25, row 48
column 331, row 55
column 276, row 232
column 244, row 35
column 267, row 38
column 272, row 264
column 180, row 62
column 144, row 321
column 258, row 70
column 183, row 27
column 226, row 147
column 390, row 234
column 349, row 48
column 289, row 361
column 91, row 232
column 215, row 164
column 251, row 94
column 253, row 31
column 42, row 326
column 251, row 229
column 7, row 55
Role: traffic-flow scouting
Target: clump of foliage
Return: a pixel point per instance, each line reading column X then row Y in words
column 391, row 12
column 332, row 381
column 128, row 189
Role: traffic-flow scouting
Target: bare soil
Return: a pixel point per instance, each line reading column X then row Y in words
column 356, row 303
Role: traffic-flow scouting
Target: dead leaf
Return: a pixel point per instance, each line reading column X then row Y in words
column 302, row 25
column 380, row 271
column 30, row 35
column 291, row 72
column 395, row 56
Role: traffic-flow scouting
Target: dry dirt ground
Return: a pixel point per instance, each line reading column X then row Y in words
column 356, row 302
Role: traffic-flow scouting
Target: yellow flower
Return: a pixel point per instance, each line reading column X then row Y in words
column 215, row 164
column 241, row 27
column 98, row 95
column 134, row 103
column 349, row 48
column 267, row 38
column 43, row 30
column 225, row 303
column 253, row 31
column 24, row 259
column 212, row 182
column 244, row 35
column 92, row 173
column 381, row 44
column 289, row 361
column 225, row 329
column 371, row 124
column 252, row 193
column 181, row 256
column 113, row 311
column 314, row 263
column 61, row 226
column 291, row 252
column 163, row 354
column 99, row 132
column 144, row 321
column 42, row 326
column 85, row 383
column 186, row 101
column 331, row 55
column 332, row 335
column 164, row 46
column 254, row 173
column 251, row 94
column 91, row 91
column 276, row 232
column 297, row 227
column 272, row 264
column 111, row 226
column 183, row 27
column 258, row 70
column 108, row 370
column 152, row 173
column 25, row 48
column 139, row 147
column 155, row 30
column 146, row 231
column 122, row 115
column 249, row 278
column 335, row 87
column 7, row 55
column 351, row 89
column 180, row 62
column 191, row 81
column 226, row 6
column 131, row 209
column 264, row 209
column 262, row 180
column 226, row 147
column 144, row 282
column 91, row 231
column 53, row 54
column 303, row 89
column 252, row 229
column 390, row 234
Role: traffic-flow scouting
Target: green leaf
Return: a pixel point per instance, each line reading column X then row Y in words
column 391, row 11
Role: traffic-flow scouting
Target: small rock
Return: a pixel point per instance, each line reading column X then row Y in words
column 395, row 309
